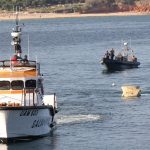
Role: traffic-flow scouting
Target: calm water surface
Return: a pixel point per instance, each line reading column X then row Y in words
column 93, row 115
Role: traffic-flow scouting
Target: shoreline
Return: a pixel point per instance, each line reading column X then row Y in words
column 26, row 15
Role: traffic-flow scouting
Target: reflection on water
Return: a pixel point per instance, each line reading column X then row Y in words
column 105, row 71
column 38, row 144
column 130, row 98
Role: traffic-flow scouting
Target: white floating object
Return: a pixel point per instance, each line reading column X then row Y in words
column 113, row 84
column 131, row 91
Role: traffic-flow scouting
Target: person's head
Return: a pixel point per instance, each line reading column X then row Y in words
column 15, row 55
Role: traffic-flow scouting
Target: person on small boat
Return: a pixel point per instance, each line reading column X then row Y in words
column 119, row 57
column 18, row 48
column 134, row 59
column 14, row 58
column 25, row 59
column 107, row 55
column 112, row 54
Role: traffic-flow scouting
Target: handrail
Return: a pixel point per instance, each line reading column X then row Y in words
column 18, row 63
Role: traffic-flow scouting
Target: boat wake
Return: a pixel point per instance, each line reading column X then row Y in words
column 78, row 118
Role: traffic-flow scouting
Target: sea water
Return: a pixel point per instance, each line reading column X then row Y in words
column 92, row 113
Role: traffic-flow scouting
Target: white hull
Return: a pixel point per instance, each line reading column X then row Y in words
column 30, row 121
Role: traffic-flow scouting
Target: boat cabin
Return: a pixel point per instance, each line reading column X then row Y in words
column 20, row 84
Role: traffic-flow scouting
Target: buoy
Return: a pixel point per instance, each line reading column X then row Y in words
column 131, row 91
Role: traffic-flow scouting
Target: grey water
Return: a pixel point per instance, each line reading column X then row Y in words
column 93, row 115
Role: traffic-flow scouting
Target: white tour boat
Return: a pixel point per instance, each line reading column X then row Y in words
column 25, row 112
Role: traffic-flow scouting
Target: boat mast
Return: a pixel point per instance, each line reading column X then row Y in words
column 16, row 38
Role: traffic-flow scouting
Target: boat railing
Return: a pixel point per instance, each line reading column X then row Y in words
column 18, row 63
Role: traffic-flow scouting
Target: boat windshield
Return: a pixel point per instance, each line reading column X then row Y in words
column 4, row 85
column 30, row 84
column 17, row 85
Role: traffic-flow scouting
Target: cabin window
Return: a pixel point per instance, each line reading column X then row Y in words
column 4, row 85
column 17, row 85
column 30, row 84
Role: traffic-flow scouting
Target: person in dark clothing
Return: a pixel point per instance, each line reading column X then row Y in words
column 14, row 58
column 25, row 59
column 107, row 55
column 112, row 54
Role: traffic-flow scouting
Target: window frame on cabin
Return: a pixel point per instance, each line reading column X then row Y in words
column 17, row 87
column 29, row 84
column 8, row 85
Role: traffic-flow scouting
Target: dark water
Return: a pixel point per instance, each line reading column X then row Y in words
column 93, row 115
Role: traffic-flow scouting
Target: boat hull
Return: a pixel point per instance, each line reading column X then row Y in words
column 24, row 122
column 119, row 65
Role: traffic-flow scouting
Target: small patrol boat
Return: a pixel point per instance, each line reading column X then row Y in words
column 123, row 60
column 25, row 111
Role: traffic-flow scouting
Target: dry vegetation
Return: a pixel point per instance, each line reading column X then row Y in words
column 81, row 6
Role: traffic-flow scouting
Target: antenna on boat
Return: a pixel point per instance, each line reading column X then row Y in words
column 28, row 45
column 36, row 67
column 130, row 42
column 122, row 41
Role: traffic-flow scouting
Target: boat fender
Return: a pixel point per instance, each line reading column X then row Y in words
column 52, row 112
column 56, row 110
column 51, row 125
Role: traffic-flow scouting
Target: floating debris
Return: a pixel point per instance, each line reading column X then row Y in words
column 131, row 91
